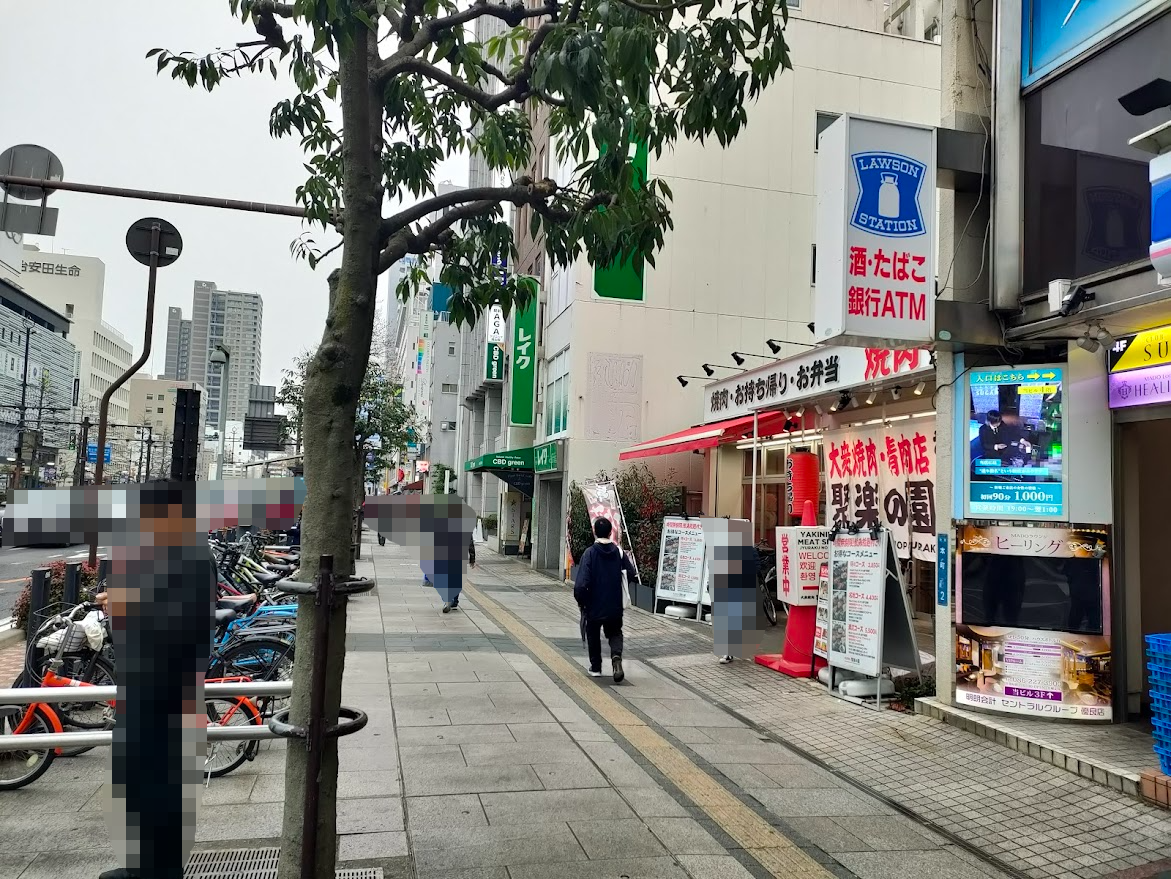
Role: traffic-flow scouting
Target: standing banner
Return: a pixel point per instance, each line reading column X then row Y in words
column 856, row 602
column 885, row 476
column 602, row 503
column 681, row 561
column 870, row 618
column 800, row 554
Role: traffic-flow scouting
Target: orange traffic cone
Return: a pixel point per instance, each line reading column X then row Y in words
column 797, row 659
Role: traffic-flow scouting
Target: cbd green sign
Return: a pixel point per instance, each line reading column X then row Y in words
column 524, row 366
column 620, row 279
column 494, row 363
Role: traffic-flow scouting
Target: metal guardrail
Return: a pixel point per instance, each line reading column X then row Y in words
column 101, row 738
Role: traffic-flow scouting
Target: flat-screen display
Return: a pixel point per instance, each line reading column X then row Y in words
column 1015, row 444
column 1019, row 592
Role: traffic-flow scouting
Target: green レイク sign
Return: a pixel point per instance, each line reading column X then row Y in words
column 524, row 366
column 620, row 279
column 545, row 458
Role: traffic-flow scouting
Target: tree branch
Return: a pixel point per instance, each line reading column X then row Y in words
column 414, row 42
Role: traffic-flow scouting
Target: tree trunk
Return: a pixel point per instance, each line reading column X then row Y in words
column 332, row 385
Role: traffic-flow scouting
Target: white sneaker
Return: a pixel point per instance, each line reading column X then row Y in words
column 724, row 660
column 595, row 674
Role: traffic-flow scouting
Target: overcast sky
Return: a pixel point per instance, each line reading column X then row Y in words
column 78, row 83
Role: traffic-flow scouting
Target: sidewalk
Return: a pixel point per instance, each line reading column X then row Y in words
column 490, row 754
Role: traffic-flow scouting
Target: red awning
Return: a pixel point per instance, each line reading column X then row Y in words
column 706, row 436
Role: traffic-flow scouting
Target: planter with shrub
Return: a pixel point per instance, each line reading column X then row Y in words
column 89, row 579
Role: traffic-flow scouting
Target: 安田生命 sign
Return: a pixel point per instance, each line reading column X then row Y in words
column 876, row 233
column 1015, row 444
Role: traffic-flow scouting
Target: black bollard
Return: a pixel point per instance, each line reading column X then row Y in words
column 71, row 593
column 38, row 601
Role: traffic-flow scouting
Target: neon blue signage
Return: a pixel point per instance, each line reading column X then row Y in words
column 1057, row 31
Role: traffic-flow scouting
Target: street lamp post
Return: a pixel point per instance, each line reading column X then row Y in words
column 223, row 357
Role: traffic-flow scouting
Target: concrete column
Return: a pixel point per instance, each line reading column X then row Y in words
column 963, row 271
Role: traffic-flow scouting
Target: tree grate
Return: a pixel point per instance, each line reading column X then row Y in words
column 253, row 863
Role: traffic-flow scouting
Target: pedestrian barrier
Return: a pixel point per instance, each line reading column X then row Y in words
column 1159, row 666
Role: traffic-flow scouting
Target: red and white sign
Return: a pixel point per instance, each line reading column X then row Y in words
column 814, row 373
column 876, row 227
column 885, row 475
column 801, row 552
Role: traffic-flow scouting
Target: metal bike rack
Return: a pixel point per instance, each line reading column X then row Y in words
column 104, row 737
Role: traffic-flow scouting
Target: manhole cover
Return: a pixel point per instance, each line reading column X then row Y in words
column 253, row 863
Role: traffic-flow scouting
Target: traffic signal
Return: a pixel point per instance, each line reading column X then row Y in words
column 185, row 447
column 73, row 441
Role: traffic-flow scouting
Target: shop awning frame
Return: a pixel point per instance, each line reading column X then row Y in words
column 512, row 460
column 706, row 436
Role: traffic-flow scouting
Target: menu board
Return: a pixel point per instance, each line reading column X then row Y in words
column 857, row 569
column 801, row 552
column 681, row 561
column 821, row 626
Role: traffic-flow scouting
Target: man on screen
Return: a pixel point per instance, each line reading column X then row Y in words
column 1001, row 440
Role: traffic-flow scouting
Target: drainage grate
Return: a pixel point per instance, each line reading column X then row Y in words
column 253, row 863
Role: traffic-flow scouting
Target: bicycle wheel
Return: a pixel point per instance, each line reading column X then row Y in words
column 260, row 658
column 768, row 603
column 20, row 768
column 224, row 757
column 90, row 670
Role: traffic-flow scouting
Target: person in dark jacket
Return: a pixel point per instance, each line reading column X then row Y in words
column 598, row 592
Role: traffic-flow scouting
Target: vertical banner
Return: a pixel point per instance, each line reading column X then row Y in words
column 494, row 351
column 821, row 627
column 885, row 475
column 681, row 557
column 801, row 552
column 524, row 366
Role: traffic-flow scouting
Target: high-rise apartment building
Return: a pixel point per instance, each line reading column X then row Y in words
column 178, row 362
column 234, row 320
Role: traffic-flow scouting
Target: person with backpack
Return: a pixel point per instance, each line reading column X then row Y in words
column 600, row 594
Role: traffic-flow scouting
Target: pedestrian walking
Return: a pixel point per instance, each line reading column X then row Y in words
column 602, row 596
column 471, row 552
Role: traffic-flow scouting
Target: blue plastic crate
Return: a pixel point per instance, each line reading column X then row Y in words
column 1164, row 754
column 1159, row 673
column 1160, row 644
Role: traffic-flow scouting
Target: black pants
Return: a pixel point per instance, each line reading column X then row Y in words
column 613, row 628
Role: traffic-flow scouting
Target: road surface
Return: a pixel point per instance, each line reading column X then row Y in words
column 16, row 562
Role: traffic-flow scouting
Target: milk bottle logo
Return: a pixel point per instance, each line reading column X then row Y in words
column 889, row 190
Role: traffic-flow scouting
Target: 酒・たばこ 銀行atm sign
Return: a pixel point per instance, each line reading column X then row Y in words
column 876, row 224
column 1015, row 440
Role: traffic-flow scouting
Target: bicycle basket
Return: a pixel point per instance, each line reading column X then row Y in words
column 50, row 639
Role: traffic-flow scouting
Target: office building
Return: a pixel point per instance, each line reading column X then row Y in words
column 234, row 320
column 74, row 286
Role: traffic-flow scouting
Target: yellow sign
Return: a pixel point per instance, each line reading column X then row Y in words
column 1148, row 348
